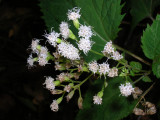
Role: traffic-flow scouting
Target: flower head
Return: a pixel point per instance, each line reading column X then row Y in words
column 126, row 89
column 97, row 100
column 30, row 61
column 68, row 50
column 93, row 66
column 113, row 72
column 117, row 56
column 104, row 68
column 85, row 44
column 34, row 45
column 49, row 83
column 67, row 88
column 85, row 31
column 54, row 106
column 73, row 14
column 64, row 29
column 42, row 57
column 52, row 38
column 108, row 48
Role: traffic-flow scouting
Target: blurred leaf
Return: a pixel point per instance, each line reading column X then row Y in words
column 114, row 106
column 156, row 66
column 151, row 39
column 146, row 79
column 100, row 14
column 136, row 66
column 141, row 9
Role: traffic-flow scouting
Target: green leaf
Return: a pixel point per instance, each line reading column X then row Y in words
column 114, row 106
column 151, row 39
column 141, row 9
column 156, row 66
column 136, row 66
column 100, row 14
column 146, row 79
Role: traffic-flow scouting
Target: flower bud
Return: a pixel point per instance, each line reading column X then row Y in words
column 57, row 83
column 71, row 35
column 80, row 103
column 76, row 23
column 59, row 40
column 100, row 94
column 59, row 100
column 70, row 95
column 55, row 92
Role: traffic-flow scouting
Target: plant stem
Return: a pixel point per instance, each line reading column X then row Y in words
column 133, row 55
column 142, row 96
column 97, row 53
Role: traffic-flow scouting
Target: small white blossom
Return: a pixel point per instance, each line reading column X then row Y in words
column 34, row 45
column 85, row 31
column 117, row 56
column 126, row 89
column 49, row 83
column 68, row 50
column 67, row 88
column 73, row 14
column 42, row 58
column 97, row 100
column 108, row 48
column 54, row 106
column 52, row 38
column 93, row 66
column 85, row 45
column 30, row 61
column 64, row 29
column 104, row 68
column 113, row 72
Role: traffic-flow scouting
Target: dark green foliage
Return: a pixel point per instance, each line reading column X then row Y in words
column 151, row 39
column 141, row 9
column 136, row 66
column 114, row 106
column 146, row 79
column 156, row 66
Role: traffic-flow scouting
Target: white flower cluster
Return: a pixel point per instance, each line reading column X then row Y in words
column 113, row 72
column 54, row 106
column 97, row 100
column 49, row 83
column 93, row 66
column 69, row 51
column 42, row 57
column 73, row 14
column 126, row 89
column 104, row 68
column 52, row 38
column 64, row 29
column 34, row 45
column 110, row 52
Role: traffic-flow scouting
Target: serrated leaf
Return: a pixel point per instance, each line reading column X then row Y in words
column 136, row 66
column 156, row 66
column 146, row 79
column 100, row 14
column 114, row 106
column 151, row 39
column 141, row 9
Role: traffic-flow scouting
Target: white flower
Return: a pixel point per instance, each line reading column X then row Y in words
column 54, row 106
column 52, row 38
column 67, row 88
column 34, row 45
column 108, row 48
column 104, row 68
column 42, row 58
column 49, row 83
column 64, row 29
column 30, row 61
column 73, row 14
column 68, row 50
column 117, row 56
column 93, row 66
column 85, row 31
column 85, row 44
column 113, row 72
column 97, row 100
column 126, row 89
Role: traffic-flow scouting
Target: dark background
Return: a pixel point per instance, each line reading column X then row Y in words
column 22, row 94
